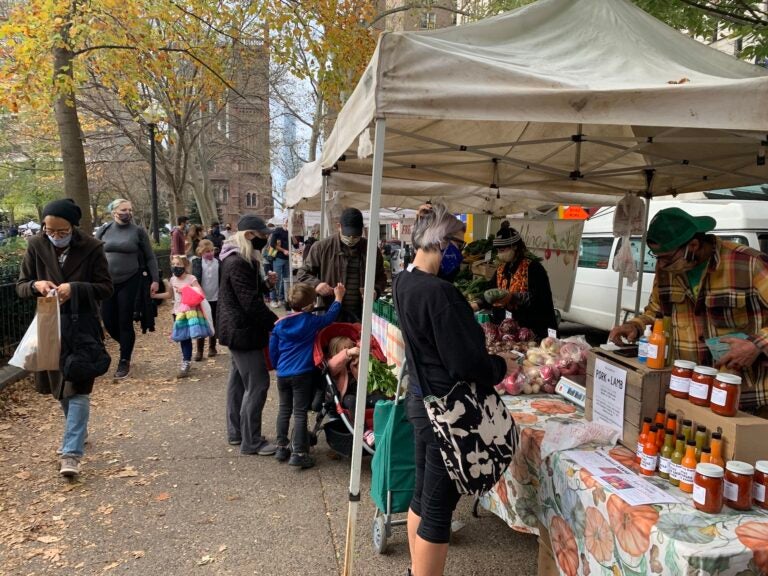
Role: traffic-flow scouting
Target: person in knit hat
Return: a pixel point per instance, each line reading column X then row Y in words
column 520, row 274
column 58, row 257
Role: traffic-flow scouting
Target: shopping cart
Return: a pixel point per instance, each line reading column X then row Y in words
column 393, row 467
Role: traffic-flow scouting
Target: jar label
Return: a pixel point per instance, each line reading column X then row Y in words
column 648, row 462
column 719, row 396
column 674, row 471
column 639, row 451
column 664, row 465
column 687, row 474
column 699, row 390
column 680, row 384
column 758, row 492
column 731, row 491
column 699, row 494
column 653, row 351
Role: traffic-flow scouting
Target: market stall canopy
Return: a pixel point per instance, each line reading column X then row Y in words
column 582, row 96
column 354, row 190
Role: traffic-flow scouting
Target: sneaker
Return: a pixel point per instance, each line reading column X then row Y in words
column 303, row 460
column 282, row 453
column 123, row 367
column 234, row 442
column 70, row 466
column 267, row 449
column 274, row 304
column 184, row 371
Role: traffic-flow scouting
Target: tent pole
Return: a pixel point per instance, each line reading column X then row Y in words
column 323, row 207
column 488, row 226
column 289, row 212
column 365, row 343
column 649, row 179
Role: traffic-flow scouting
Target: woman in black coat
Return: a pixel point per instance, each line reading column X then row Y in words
column 60, row 256
column 243, row 324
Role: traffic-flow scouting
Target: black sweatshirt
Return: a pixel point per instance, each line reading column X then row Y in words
column 443, row 342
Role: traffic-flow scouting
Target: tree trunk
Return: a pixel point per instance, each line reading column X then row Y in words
column 70, row 137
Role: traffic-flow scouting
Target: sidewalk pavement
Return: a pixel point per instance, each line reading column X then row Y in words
column 162, row 493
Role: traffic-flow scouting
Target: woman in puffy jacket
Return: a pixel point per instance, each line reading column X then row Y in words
column 243, row 324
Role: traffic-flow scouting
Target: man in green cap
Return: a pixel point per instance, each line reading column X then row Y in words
column 709, row 288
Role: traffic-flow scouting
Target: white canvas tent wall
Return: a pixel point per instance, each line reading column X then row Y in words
column 587, row 96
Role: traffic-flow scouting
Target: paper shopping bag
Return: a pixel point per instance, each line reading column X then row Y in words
column 48, row 334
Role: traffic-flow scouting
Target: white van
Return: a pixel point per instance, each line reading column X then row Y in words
column 596, row 288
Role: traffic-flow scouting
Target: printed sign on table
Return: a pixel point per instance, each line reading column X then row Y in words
column 610, row 387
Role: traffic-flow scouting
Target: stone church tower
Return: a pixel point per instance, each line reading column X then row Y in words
column 240, row 176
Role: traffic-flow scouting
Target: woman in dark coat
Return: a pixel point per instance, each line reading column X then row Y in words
column 243, row 324
column 523, row 276
column 60, row 256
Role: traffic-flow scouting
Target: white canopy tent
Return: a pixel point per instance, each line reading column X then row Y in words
column 577, row 96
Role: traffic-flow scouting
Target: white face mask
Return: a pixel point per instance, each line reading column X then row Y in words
column 681, row 265
column 350, row 240
column 506, row 256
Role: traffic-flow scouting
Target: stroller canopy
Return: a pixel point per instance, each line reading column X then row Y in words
column 351, row 331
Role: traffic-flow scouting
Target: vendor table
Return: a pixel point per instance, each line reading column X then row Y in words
column 593, row 531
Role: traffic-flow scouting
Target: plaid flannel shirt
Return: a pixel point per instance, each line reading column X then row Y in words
column 733, row 297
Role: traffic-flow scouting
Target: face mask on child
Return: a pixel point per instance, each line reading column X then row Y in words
column 178, row 271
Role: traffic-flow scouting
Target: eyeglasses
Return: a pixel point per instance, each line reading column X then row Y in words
column 58, row 233
column 668, row 256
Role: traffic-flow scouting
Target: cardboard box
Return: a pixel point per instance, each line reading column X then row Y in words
column 743, row 435
column 645, row 392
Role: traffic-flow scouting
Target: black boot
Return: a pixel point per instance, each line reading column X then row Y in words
column 212, row 347
column 200, row 345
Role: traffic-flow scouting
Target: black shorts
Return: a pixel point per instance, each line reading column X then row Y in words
column 434, row 494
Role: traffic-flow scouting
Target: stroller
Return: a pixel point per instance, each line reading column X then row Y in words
column 339, row 425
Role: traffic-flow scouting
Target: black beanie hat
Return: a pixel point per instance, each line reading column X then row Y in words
column 351, row 222
column 66, row 209
column 252, row 222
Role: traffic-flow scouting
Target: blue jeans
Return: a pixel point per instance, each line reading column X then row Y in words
column 280, row 268
column 76, row 411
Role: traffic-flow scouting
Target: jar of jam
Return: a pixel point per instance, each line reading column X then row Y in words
column 738, row 485
column 708, row 488
column 680, row 381
column 760, row 484
column 726, row 391
column 701, row 385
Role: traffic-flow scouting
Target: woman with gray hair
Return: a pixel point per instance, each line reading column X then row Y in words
column 444, row 346
column 129, row 255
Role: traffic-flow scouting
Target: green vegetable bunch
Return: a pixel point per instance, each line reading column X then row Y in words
column 381, row 379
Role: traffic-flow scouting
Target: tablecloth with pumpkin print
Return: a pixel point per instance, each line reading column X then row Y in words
column 594, row 532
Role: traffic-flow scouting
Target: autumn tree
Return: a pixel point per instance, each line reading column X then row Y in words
column 52, row 49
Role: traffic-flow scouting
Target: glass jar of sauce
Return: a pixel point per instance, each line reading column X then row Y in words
column 760, row 484
column 680, row 381
column 738, row 485
column 726, row 391
column 708, row 488
column 701, row 385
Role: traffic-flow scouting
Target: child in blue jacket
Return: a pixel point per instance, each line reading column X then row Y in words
column 290, row 350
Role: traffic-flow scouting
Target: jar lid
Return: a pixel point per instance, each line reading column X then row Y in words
column 740, row 467
column 726, row 378
column 706, row 370
column 685, row 364
column 710, row 470
column 762, row 466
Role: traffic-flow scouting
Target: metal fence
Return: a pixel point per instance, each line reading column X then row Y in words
column 16, row 313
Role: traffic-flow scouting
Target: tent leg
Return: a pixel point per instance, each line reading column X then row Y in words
column 324, row 208
column 619, row 290
column 642, row 256
column 488, row 226
column 365, row 344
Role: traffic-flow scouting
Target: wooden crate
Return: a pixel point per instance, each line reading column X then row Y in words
column 484, row 269
column 547, row 565
column 645, row 392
